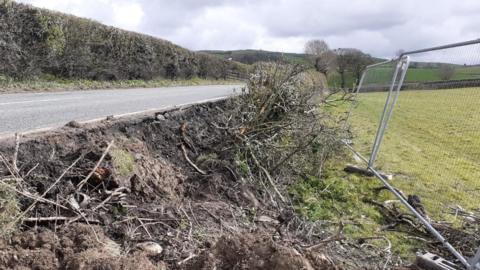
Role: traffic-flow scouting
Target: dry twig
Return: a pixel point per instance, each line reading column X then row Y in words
column 116, row 192
column 15, row 154
column 19, row 217
column 190, row 161
column 80, row 185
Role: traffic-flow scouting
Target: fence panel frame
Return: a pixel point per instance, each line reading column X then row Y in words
column 356, row 93
column 400, row 69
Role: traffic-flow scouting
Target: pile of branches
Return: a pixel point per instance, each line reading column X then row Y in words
column 279, row 128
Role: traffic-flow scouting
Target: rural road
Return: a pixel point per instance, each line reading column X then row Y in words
column 34, row 111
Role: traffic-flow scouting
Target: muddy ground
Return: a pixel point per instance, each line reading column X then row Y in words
column 147, row 207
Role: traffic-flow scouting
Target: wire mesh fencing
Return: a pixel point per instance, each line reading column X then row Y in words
column 424, row 128
column 367, row 116
column 375, row 79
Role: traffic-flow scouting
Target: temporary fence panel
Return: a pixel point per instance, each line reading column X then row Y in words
column 427, row 134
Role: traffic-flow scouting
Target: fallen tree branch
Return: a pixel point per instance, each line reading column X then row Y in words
column 191, row 162
column 269, row 178
column 32, row 196
column 15, row 154
column 80, row 185
column 31, row 170
column 328, row 240
column 116, row 192
column 186, row 259
column 49, row 219
column 19, row 217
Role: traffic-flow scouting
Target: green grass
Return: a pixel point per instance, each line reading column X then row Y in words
column 432, row 145
column 123, row 161
column 432, row 74
column 342, row 198
column 8, row 85
column 9, row 208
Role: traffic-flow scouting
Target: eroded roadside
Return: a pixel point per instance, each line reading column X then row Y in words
column 147, row 207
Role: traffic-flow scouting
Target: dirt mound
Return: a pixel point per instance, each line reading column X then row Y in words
column 256, row 252
column 87, row 203
column 76, row 247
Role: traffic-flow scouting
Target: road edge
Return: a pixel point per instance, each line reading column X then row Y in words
column 137, row 114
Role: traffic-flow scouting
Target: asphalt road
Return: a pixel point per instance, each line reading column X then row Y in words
column 28, row 112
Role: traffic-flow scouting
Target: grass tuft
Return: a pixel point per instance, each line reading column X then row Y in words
column 123, row 162
column 9, row 207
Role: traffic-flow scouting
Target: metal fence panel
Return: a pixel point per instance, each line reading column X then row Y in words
column 429, row 137
column 377, row 78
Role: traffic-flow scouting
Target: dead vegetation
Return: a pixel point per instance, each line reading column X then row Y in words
column 463, row 235
column 205, row 187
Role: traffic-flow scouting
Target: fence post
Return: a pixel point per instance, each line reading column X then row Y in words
column 402, row 66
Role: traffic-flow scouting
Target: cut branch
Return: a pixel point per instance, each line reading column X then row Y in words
column 80, row 185
column 190, row 161
column 18, row 218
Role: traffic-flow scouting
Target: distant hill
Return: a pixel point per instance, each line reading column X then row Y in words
column 253, row 56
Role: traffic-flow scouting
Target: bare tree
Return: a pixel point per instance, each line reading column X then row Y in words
column 320, row 55
column 351, row 60
column 446, row 72
column 343, row 62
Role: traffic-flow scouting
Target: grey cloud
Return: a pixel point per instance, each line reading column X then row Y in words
column 377, row 27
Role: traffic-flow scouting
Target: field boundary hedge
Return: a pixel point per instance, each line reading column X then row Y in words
column 36, row 43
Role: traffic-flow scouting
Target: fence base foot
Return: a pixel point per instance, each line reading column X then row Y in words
column 429, row 261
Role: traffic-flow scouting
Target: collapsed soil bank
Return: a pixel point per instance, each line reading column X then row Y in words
column 148, row 207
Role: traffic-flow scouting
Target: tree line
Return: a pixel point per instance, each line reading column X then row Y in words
column 341, row 61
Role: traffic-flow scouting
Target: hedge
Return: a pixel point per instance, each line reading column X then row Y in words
column 37, row 42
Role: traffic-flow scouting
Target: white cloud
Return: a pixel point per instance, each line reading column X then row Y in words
column 127, row 15
column 379, row 27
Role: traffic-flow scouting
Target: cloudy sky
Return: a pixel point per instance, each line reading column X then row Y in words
column 376, row 27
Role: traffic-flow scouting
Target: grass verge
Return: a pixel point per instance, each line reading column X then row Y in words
column 344, row 200
column 8, row 85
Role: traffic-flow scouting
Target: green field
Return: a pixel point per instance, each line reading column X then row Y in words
column 432, row 145
column 431, row 74
column 413, row 75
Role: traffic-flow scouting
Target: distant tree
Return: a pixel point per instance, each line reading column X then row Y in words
column 360, row 60
column 351, row 60
column 446, row 72
column 320, row 55
column 342, row 63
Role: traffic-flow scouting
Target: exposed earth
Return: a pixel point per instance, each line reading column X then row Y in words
column 163, row 196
